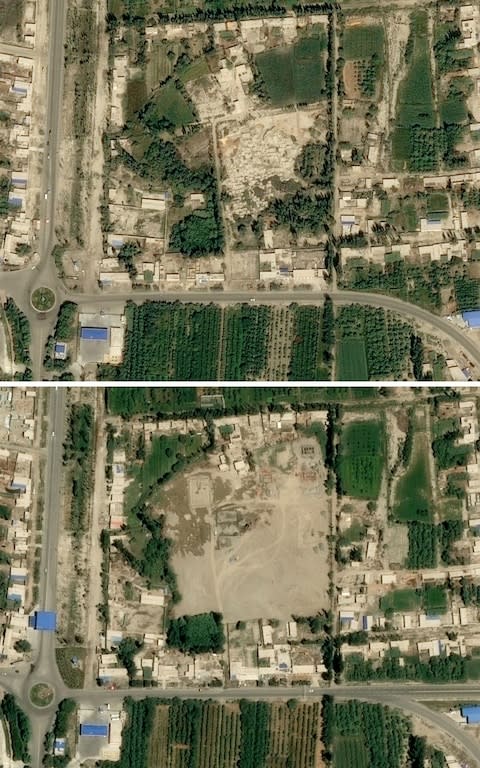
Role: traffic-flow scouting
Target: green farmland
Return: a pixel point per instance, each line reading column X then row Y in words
column 400, row 600
column 367, row 735
column 294, row 74
column 363, row 41
column 172, row 105
column 171, row 340
column 361, row 459
column 415, row 140
column 413, row 491
column 371, row 344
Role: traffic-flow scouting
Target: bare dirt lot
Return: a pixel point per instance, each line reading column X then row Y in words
column 252, row 545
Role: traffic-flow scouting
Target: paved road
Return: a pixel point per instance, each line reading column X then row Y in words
column 12, row 49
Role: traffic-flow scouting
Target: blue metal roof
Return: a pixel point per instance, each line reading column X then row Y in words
column 45, row 620
column 472, row 713
column 60, row 346
column 94, row 334
column 93, row 729
column 472, row 317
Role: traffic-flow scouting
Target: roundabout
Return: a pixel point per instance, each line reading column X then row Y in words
column 41, row 695
column 43, row 299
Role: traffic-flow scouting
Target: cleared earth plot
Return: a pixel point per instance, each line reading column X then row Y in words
column 281, row 513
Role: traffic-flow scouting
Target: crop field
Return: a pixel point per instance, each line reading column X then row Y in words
column 351, row 360
column 193, row 70
column 383, row 336
column 10, row 13
column 306, row 360
column 413, row 492
column 415, row 140
column 437, row 202
column 400, row 600
column 363, row 41
column 294, row 74
column 362, row 456
column 351, row 750
column 172, row 105
column 206, row 734
column 368, row 735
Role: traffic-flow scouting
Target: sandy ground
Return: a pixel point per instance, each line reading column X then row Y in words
column 263, row 570
column 94, row 149
column 37, row 133
column 99, row 520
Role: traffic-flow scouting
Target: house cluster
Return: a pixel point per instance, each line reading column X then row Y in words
column 119, row 482
column 18, row 231
column 287, row 266
column 17, row 425
column 272, row 652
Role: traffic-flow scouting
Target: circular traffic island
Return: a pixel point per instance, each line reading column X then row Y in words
column 43, row 299
column 41, row 695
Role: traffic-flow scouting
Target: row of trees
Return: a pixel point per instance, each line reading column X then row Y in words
column 78, row 453
column 19, row 727
column 202, row 633
column 20, row 328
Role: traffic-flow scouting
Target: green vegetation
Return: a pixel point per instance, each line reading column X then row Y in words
column 41, row 695
column 66, row 709
column 371, row 344
column 415, row 140
column 365, row 735
column 154, row 551
column 446, row 453
column 364, row 45
column 438, row 669
column 435, row 599
column 4, row 193
column 43, row 299
column 361, row 459
column 126, row 651
column 72, row 674
column 247, row 734
column 171, row 105
column 245, row 341
column 64, row 331
column 5, row 512
column 18, row 726
column 78, row 455
column 302, row 212
column 293, row 74
column 199, row 233
column 22, row 646
column 313, row 341
column 20, row 330
column 400, row 600
column 413, row 490
column 202, row 633
column 422, row 545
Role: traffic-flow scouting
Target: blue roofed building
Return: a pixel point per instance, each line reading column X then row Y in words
column 472, row 318
column 60, row 350
column 45, row 621
column 94, row 334
column 94, row 729
column 471, row 714
column 59, row 747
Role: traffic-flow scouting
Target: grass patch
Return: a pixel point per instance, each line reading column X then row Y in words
column 472, row 667
column 400, row 600
column 294, row 74
column 351, row 360
column 72, row 676
column 41, row 695
column 413, row 492
column 361, row 460
column 349, row 751
column 435, row 599
column 362, row 42
column 173, row 106
column 194, row 70
column 437, row 202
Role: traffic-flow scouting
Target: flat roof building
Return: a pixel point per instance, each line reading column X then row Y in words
column 93, row 729
column 94, row 334
column 471, row 714
column 45, row 621
column 472, row 318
